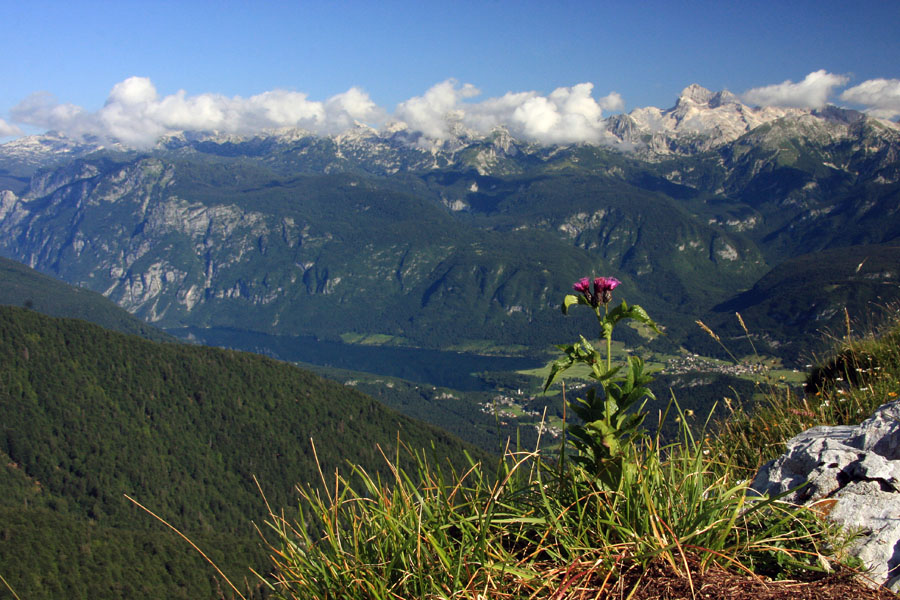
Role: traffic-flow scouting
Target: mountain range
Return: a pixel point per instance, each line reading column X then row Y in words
column 469, row 243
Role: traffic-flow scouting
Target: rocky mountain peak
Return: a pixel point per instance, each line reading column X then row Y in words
column 722, row 98
column 699, row 121
column 34, row 151
column 695, row 93
column 839, row 115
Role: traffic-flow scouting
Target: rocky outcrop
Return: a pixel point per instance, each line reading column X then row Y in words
column 699, row 121
column 851, row 474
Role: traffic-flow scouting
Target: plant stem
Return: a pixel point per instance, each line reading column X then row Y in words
column 608, row 341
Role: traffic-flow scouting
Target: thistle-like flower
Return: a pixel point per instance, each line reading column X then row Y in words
column 603, row 287
column 583, row 286
column 602, row 291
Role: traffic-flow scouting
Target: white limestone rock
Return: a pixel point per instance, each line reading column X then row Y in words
column 858, row 469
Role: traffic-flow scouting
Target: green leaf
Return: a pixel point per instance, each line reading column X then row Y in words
column 588, row 347
column 600, row 373
column 637, row 313
column 631, row 375
column 558, row 367
column 571, row 299
column 611, row 443
column 640, row 315
column 617, row 314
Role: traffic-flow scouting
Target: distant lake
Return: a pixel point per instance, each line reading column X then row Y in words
column 435, row 367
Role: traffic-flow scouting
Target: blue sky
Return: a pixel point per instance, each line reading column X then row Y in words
column 75, row 53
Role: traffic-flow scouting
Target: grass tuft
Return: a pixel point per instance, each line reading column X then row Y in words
column 543, row 526
column 533, row 530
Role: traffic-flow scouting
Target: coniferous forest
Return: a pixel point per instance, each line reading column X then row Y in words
column 88, row 415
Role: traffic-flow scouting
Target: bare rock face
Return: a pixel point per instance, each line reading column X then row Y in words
column 854, row 475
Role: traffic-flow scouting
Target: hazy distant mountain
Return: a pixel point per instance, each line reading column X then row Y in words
column 459, row 242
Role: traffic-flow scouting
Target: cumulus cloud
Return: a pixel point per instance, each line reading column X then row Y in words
column 812, row 92
column 7, row 130
column 42, row 110
column 136, row 115
column 351, row 107
column 612, row 101
column 435, row 113
column 880, row 96
column 568, row 114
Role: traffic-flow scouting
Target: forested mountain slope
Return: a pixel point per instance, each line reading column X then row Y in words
column 22, row 286
column 88, row 415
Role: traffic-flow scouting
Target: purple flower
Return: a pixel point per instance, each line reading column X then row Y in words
column 603, row 287
column 583, row 285
column 605, row 284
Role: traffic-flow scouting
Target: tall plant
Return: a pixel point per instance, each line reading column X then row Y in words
column 610, row 419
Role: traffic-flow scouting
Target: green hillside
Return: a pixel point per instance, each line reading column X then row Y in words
column 815, row 292
column 88, row 415
column 22, row 286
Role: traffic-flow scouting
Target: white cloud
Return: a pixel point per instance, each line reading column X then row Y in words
column 7, row 130
column 880, row 96
column 136, row 115
column 354, row 105
column 435, row 113
column 566, row 115
column 42, row 110
column 128, row 114
column 612, row 101
column 812, row 92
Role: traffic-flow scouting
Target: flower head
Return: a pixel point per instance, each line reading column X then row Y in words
column 583, row 285
column 603, row 287
column 602, row 292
